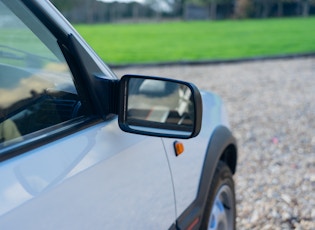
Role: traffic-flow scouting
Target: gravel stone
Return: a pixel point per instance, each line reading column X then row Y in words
column 271, row 107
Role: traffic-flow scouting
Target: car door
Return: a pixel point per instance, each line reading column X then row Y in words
column 63, row 166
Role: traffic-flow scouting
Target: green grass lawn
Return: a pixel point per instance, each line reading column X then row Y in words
column 201, row 40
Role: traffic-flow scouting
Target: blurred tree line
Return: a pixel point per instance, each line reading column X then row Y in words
column 273, row 8
column 91, row 11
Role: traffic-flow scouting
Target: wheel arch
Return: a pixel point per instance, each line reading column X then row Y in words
column 229, row 156
column 222, row 147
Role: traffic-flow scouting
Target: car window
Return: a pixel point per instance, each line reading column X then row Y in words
column 36, row 87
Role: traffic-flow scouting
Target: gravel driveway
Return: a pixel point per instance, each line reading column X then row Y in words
column 271, row 105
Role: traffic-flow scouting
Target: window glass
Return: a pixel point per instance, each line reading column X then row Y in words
column 36, row 87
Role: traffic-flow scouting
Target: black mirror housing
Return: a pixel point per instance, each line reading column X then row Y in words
column 159, row 107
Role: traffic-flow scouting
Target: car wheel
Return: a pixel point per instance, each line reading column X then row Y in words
column 220, row 209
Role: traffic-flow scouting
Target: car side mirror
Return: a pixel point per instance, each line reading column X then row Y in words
column 159, row 107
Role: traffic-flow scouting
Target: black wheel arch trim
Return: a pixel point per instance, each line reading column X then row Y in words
column 222, row 146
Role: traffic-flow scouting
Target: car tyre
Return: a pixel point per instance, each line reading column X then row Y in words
column 220, row 209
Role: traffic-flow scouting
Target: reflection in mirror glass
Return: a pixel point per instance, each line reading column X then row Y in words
column 160, row 104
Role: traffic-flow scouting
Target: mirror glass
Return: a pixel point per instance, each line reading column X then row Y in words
column 160, row 104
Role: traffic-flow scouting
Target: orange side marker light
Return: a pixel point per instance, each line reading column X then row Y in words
column 179, row 148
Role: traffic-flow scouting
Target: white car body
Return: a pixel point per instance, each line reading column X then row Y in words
column 100, row 177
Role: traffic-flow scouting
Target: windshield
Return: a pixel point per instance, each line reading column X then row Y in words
column 36, row 87
column 21, row 44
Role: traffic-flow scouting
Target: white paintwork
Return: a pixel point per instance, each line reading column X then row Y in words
column 186, row 168
column 100, row 178
column 103, row 178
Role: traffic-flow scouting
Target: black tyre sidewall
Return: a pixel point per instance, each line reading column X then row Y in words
column 222, row 176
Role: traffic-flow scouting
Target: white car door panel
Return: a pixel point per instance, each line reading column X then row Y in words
column 93, row 179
